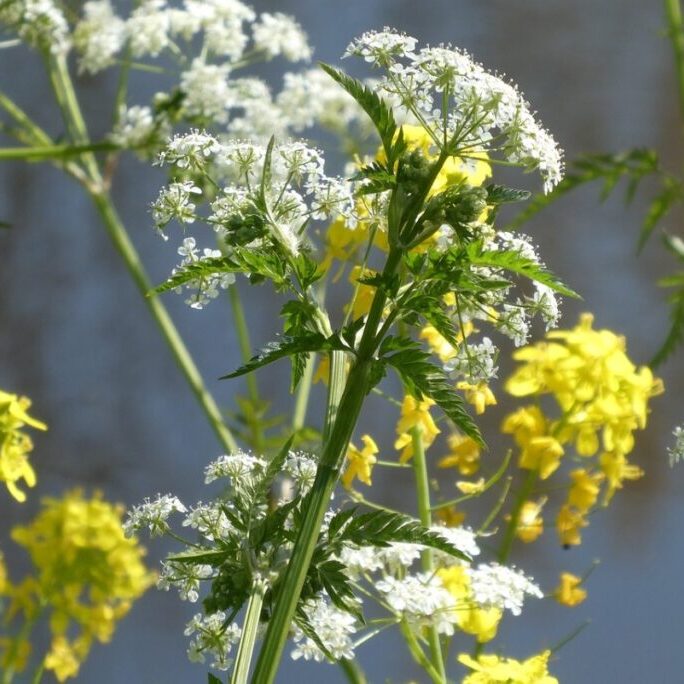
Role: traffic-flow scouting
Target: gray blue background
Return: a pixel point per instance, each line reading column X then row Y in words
column 75, row 335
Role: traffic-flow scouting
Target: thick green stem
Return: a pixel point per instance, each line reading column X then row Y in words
column 257, row 436
column 53, row 151
column 317, row 502
column 425, row 517
column 303, row 393
column 250, row 628
column 352, row 671
column 66, row 97
column 673, row 13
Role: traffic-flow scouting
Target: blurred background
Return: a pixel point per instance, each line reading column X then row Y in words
column 76, row 337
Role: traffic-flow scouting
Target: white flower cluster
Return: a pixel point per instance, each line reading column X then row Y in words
column 474, row 363
column 501, row 587
column 487, row 113
column 184, row 577
column 298, row 192
column 152, row 515
column 41, row 23
column 676, row 451
column 301, row 468
column 236, row 467
column 333, row 627
column 212, row 637
column 421, row 599
column 209, row 520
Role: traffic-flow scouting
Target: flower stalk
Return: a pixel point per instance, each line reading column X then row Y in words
column 250, row 628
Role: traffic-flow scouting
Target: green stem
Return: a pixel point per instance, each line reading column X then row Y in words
column 64, row 92
column 332, row 458
column 338, row 362
column 303, row 393
column 257, row 436
column 19, row 115
column 125, row 247
column 353, row 672
column 673, row 13
column 425, row 517
column 53, row 151
column 418, row 655
column 509, row 536
column 250, row 628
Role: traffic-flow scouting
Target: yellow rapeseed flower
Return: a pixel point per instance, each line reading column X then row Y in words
column 479, row 395
column 568, row 525
column 470, row 618
column 414, row 413
column 530, row 522
column 569, row 592
column 360, row 462
column 464, row 454
column 15, row 444
column 492, row 669
column 616, row 469
column 87, row 573
column 364, row 293
column 585, row 489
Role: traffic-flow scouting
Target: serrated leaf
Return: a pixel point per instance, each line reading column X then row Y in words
column 515, row 262
column 660, row 206
column 304, row 343
column 381, row 528
column 197, row 271
column 423, row 378
column 377, row 109
column 500, row 194
column 675, row 335
column 634, row 165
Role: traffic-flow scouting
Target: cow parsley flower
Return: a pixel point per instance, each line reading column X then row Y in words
column 134, row 128
column 206, row 90
column 152, row 515
column 334, row 627
column 184, row 577
column 41, row 23
column 98, row 36
column 277, row 34
column 501, row 587
column 212, row 637
column 474, row 363
column 236, row 467
column 190, row 150
column 148, row 29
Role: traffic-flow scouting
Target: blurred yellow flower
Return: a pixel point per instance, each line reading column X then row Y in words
column 360, row 463
column 568, row 525
column 530, row 522
column 415, row 413
column 87, row 573
column 585, row 489
column 464, row 454
column 569, row 593
column 15, row 445
column 492, row 669
column 470, row 618
column 361, row 303
column 616, row 469
column 479, row 395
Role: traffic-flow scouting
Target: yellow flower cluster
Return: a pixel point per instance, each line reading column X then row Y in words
column 491, row 669
column 569, row 592
column 15, row 444
column 415, row 414
column 603, row 399
column 360, row 462
column 87, row 573
column 470, row 618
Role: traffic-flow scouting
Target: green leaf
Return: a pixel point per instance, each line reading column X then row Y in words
column 516, row 263
column 675, row 335
column 377, row 109
column 211, row 679
column 199, row 270
column 381, row 528
column 301, row 344
column 634, row 166
column 377, row 179
column 500, row 194
column 200, row 557
column 423, row 378
column 660, row 206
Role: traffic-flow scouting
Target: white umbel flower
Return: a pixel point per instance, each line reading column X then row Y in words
column 277, row 34
column 334, row 627
column 152, row 515
column 98, row 36
column 676, row 451
column 501, row 587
